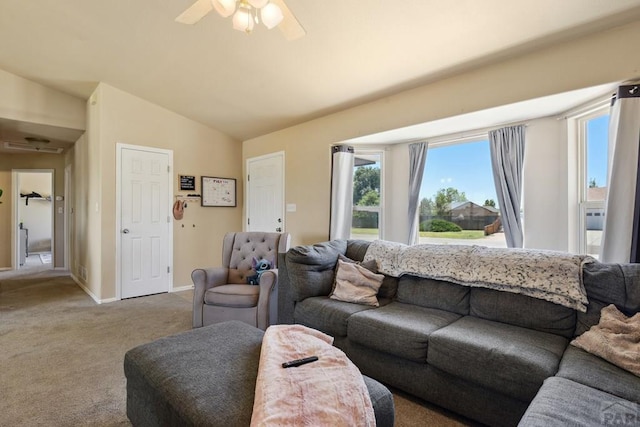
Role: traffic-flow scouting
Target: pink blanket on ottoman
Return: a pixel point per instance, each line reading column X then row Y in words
column 327, row 392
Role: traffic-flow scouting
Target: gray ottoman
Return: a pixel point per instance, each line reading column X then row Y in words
column 206, row 377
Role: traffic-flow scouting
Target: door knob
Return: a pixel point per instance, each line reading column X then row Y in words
column 125, row 231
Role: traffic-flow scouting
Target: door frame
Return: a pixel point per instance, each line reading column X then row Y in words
column 15, row 217
column 67, row 218
column 118, row 211
column 247, row 199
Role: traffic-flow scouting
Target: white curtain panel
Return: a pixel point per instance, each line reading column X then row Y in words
column 417, row 160
column 621, row 226
column 507, row 158
column 341, row 191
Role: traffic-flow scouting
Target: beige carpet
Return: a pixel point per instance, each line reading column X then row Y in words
column 61, row 354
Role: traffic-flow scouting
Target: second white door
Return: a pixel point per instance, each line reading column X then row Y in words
column 265, row 193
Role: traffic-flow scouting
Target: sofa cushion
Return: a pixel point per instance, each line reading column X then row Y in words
column 616, row 339
column 233, row 296
column 606, row 284
column 432, row 293
column 501, row 357
column 585, row 368
column 562, row 402
column 356, row 249
column 399, row 329
column 311, row 268
column 326, row 315
column 522, row 310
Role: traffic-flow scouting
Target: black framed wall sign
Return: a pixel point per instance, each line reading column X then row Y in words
column 218, row 191
column 187, row 183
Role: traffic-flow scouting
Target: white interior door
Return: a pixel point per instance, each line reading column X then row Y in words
column 144, row 222
column 265, row 193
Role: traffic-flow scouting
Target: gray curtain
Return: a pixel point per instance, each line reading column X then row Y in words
column 507, row 158
column 621, row 233
column 417, row 160
column 342, row 159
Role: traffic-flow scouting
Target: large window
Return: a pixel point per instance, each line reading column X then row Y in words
column 458, row 203
column 367, row 196
column 593, row 139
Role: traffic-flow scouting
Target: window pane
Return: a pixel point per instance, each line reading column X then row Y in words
column 594, row 222
column 366, row 197
column 458, row 194
column 597, row 148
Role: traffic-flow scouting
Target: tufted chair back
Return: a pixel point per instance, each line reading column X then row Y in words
column 222, row 293
column 239, row 249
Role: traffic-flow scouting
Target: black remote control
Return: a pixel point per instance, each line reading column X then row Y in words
column 298, row 362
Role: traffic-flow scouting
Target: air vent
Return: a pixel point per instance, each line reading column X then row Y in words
column 26, row 147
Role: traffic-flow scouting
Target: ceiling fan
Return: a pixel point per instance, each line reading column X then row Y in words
column 246, row 13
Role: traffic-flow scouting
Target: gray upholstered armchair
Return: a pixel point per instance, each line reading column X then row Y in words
column 222, row 293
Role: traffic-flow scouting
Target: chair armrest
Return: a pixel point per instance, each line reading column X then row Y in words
column 203, row 279
column 268, row 284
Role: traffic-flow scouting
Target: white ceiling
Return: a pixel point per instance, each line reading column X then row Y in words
column 246, row 86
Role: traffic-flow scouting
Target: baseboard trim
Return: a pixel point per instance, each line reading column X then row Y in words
column 181, row 288
column 91, row 294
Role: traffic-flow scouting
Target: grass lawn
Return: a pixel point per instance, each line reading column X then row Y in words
column 364, row 231
column 464, row 234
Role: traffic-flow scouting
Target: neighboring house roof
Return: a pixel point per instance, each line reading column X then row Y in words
column 463, row 205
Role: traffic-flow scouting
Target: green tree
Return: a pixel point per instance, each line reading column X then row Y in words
column 426, row 206
column 371, row 198
column 592, row 183
column 365, row 179
column 490, row 202
column 444, row 197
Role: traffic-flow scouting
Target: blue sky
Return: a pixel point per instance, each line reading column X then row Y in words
column 467, row 166
column 597, row 133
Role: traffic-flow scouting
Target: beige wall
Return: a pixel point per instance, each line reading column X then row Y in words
column 27, row 101
column 583, row 62
column 115, row 117
column 9, row 162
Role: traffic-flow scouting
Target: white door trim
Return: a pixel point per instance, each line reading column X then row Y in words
column 246, row 187
column 67, row 217
column 119, row 147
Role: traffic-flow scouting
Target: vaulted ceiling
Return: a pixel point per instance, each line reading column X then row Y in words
column 244, row 85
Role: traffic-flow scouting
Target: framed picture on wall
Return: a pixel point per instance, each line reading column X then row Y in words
column 218, row 191
column 187, row 182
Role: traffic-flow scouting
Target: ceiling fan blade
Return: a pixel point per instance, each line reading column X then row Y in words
column 290, row 27
column 195, row 12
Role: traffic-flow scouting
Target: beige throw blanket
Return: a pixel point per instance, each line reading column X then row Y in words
column 549, row 275
column 328, row 392
column 616, row 339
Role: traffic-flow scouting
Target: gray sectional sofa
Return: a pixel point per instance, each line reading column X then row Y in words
column 495, row 357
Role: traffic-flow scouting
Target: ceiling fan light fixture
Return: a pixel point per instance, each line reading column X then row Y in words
column 224, row 7
column 271, row 15
column 242, row 20
column 258, row 4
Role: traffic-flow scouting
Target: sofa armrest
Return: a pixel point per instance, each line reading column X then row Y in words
column 268, row 284
column 203, row 279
